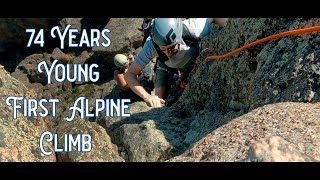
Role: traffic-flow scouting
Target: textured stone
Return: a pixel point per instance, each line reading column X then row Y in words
column 142, row 142
column 276, row 149
column 103, row 150
column 298, row 123
column 274, row 71
column 19, row 138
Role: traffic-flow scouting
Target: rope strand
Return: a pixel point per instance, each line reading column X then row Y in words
column 287, row 33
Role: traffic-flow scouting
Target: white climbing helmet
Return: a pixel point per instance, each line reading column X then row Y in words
column 121, row 60
column 167, row 31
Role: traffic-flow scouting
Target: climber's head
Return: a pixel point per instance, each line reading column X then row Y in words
column 167, row 34
column 121, row 61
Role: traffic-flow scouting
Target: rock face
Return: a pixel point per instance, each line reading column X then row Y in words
column 124, row 35
column 298, row 123
column 221, row 91
column 125, row 38
column 103, row 150
column 19, row 138
column 142, row 142
column 276, row 149
column 280, row 70
column 13, row 38
column 261, row 104
column 82, row 24
column 145, row 136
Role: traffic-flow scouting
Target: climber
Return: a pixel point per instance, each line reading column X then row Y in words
column 122, row 63
column 177, row 43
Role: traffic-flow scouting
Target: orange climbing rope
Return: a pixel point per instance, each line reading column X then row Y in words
column 182, row 84
column 287, row 33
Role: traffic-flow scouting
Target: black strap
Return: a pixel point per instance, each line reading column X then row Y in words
column 162, row 56
column 188, row 38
